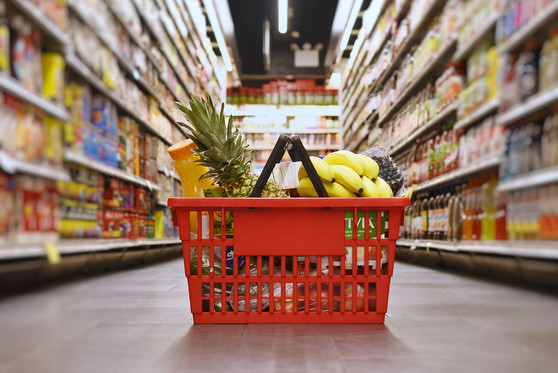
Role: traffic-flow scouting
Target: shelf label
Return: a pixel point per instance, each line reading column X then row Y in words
column 52, row 253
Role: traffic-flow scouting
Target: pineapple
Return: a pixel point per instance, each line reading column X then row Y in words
column 222, row 149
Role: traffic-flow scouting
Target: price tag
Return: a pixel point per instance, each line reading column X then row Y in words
column 52, row 253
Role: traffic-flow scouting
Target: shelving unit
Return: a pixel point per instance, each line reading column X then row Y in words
column 415, row 34
column 79, row 159
column 44, row 170
column 480, row 113
column 524, row 33
column 533, row 104
column 529, row 180
column 464, row 51
column 83, row 70
column 529, row 249
column 283, row 110
column 82, row 246
column 459, row 174
column 30, row 10
column 193, row 67
column 16, row 89
column 359, row 127
column 439, row 60
column 442, row 116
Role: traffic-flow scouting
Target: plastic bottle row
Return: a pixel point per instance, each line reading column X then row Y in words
column 89, row 206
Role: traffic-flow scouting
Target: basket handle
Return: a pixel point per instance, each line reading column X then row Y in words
column 297, row 152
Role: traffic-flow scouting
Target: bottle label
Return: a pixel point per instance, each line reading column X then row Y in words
column 425, row 221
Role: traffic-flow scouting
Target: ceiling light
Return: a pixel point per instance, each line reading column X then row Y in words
column 350, row 23
column 283, row 8
column 214, row 21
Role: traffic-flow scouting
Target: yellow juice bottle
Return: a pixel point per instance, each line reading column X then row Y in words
column 189, row 171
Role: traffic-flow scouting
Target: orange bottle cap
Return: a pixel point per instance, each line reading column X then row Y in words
column 181, row 150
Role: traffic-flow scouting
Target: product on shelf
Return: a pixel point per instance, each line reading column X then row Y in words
column 280, row 92
column 466, row 212
column 483, row 69
column 515, row 14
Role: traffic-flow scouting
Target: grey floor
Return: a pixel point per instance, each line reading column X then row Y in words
column 139, row 321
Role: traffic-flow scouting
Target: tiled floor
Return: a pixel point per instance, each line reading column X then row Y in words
column 139, row 321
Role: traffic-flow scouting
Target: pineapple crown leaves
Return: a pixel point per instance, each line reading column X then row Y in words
column 220, row 147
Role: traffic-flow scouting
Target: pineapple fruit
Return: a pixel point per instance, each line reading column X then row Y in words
column 222, row 149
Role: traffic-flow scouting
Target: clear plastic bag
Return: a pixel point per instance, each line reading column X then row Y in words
column 388, row 169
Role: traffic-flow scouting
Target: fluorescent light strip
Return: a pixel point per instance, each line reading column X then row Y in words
column 283, row 11
column 350, row 23
column 208, row 4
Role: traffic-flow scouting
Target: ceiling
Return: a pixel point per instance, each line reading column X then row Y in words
column 310, row 21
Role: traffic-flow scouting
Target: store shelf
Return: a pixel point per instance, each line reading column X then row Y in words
column 32, row 12
column 290, row 130
column 15, row 166
column 446, row 113
column 533, row 104
column 529, row 180
column 82, row 246
column 479, row 114
column 440, row 59
column 464, row 51
column 459, row 174
column 16, row 89
column 289, row 111
column 79, row 159
column 528, row 249
column 123, row 61
column 135, row 38
column 75, row 63
column 415, row 35
column 518, row 38
column 168, row 173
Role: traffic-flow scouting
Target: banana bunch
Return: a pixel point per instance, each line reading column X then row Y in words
column 345, row 174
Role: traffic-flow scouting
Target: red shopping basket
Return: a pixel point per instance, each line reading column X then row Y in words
column 291, row 260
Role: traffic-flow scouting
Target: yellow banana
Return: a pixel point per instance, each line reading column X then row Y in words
column 306, row 189
column 346, row 158
column 386, row 189
column 322, row 168
column 347, row 177
column 370, row 189
column 371, row 168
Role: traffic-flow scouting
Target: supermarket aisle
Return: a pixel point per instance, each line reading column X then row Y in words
column 138, row 321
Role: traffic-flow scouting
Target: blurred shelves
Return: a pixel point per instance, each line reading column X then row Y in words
column 459, row 174
column 168, row 173
column 79, row 159
column 480, row 113
column 132, row 34
column 533, row 104
column 15, row 166
column 290, row 130
column 76, row 64
column 123, row 61
column 442, row 57
column 528, row 249
column 282, row 110
column 415, row 35
column 464, row 51
column 519, row 37
column 16, row 89
column 13, row 251
column 531, row 179
column 442, row 116
column 34, row 14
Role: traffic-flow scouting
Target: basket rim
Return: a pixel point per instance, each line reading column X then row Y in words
column 298, row 202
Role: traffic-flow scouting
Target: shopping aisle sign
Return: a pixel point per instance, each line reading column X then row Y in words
column 360, row 224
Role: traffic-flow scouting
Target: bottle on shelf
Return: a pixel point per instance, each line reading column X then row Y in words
column 548, row 72
column 528, row 69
